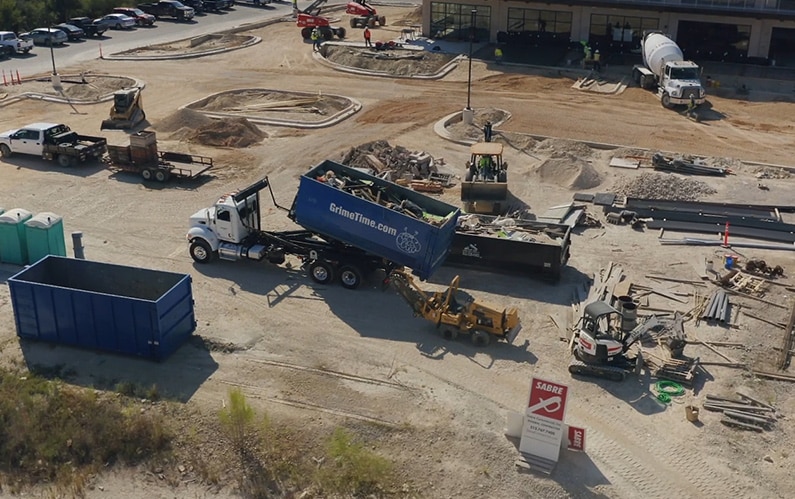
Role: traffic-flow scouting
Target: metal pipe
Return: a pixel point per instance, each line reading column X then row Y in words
column 710, row 304
column 726, row 318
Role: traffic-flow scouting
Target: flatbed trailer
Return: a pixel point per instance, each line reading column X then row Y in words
column 142, row 157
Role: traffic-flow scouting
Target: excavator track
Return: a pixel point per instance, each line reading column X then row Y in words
column 580, row 368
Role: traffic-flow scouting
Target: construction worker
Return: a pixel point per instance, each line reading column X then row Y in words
column 367, row 35
column 315, row 39
column 484, row 165
column 295, row 8
column 498, row 55
column 691, row 107
column 597, row 57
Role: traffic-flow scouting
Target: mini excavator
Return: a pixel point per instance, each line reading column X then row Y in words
column 454, row 315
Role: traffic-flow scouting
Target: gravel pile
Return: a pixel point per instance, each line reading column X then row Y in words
column 661, row 186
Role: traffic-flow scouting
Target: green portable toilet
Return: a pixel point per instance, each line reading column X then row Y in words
column 1, row 212
column 12, row 236
column 44, row 236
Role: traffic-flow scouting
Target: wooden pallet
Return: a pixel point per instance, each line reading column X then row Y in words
column 749, row 284
column 678, row 370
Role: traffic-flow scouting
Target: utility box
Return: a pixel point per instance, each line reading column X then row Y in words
column 114, row 308
column 13, row 247
column 44, row 235
column 143, row 147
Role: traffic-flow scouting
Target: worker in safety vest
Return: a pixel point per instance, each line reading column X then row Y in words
column 367, row 36
column 484, row 165
column 498, row 55
column 597, row 57
column 315, row 39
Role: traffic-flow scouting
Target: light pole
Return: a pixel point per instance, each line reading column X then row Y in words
column 52, row 54
column 469, row 114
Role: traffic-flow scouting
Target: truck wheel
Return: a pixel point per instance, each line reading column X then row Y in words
column 146, row 174
column 382, row 20
column 5, row 151
column 340, row 33
column 666, row 101
column 321, row 272
column 306, row 33
column 200, row 251
column 449, row 334
column 350, row 277
column 480, row 339
column 66, row 161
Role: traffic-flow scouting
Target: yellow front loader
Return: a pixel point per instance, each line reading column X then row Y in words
column 455, row 314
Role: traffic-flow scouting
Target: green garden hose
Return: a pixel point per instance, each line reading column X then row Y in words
column 669, row 388
column 664, row 398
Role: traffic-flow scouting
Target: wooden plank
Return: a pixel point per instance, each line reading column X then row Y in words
column 622, row 288
column 714, row 406
column 724, row 399
column 724, row 364
column 733, row 422
column 624, row 163
column 671, row 279
column 709, row 345
column 740, row 293
column 669, row 296
column 784, row 357
column 776, row 376
column 777, row 324
column 716, row 343
column 755, row 401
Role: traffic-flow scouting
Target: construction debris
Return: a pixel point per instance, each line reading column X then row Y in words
column 717, row 307
column 686, row 165
column 761, row 267
column 745, row 413
column 399, row 165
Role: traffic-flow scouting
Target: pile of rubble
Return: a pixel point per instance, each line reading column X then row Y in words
column 418, row 170
column 659, row 186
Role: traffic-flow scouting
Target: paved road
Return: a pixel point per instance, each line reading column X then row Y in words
column 165, row 30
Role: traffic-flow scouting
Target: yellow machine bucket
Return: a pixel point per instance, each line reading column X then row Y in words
column 127, row 111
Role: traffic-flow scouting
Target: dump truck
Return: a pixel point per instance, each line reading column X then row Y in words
column 52, row 141
column 352, row 225
column 664, row 69
column 454, row 312
column 485, row 186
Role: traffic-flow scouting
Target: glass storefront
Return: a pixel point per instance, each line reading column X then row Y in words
column 452, row 21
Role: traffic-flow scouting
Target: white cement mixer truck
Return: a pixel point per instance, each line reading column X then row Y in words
column 665, row 69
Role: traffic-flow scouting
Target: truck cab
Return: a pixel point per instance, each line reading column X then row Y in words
column 28, row 140
column 10, row 44
column 681, row 80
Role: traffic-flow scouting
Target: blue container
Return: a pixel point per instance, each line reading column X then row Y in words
column 13, row 245
column 127, row 310
column 381, row 231
column 44, row 236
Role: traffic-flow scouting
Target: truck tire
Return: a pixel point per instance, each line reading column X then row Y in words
column 66, row 161
column 449, row 334
column 382, row 20
column 200, row 251
column 146, row 174
column 5, row 151
column 480, row 339
column 665, row 100
column 350, row 277
column 306, row 33
column 340, row 33
column 327, row 34
column 321, row 272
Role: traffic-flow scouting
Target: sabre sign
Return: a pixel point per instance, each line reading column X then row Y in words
column 543, row 421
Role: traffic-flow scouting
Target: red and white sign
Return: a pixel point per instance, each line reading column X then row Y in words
column 542, row 432
column 576, row 438
column 548, row 399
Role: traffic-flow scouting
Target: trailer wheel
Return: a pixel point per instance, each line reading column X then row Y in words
column 449, row 334
column 480, row 339
column 200, row 251
column 146, row 174
column 161, row 175
column 321, row 272
column 350, row 277
column 5, row 151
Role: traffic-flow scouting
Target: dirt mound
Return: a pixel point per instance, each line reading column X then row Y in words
column 228, row 132
column 662, row 186
column 182, row 118
column 571, row 172
column 561, row 147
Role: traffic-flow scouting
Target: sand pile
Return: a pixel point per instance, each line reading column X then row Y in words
column 182, row 119
column 570, row 171
column 227, row 132
column 560, row 147
column 664, row 186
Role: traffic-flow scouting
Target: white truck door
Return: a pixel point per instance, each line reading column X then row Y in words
column 27, row 142
column 223, row 224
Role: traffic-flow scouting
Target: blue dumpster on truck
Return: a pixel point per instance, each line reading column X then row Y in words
column 102, row 306
column 353, row 224
column 340, row 214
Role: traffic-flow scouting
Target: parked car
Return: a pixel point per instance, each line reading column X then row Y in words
column 88, row 25
column 11, row 44
column 73, row 33
column 141, row 17
column 45, row 36
column 119, row 21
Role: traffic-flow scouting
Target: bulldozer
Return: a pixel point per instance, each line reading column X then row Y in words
column 602, row 340
column 485, row 186
column 127, row 111
column 456, row 313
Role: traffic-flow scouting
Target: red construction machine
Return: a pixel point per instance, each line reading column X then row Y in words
column 310, row 18
column 364, row 15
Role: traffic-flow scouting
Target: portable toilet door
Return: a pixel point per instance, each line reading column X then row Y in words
column 13, row 247
column 1, row 255
column 45, row 236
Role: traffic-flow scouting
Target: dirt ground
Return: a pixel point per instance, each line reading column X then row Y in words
column 323, row 356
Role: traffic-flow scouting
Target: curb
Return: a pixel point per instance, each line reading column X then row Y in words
column 443, row 71
column 253, row 40
column 440, row 127
column 354, row 107
column 60, row 100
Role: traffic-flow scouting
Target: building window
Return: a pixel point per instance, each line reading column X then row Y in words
column 538, row 21
column 451, row 21
column 620, row 31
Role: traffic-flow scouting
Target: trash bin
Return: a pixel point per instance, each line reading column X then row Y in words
column 691, row 413
column 45, row 236
column 13, row 247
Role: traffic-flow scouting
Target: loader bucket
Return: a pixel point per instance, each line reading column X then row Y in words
column 479, row 190
column 120, row 124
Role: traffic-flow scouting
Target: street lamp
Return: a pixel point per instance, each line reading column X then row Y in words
column 469, row 114
column 55, row 80
column 52, row 54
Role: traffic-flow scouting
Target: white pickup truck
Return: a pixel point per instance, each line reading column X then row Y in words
column 52, row 141
column 11, row 44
